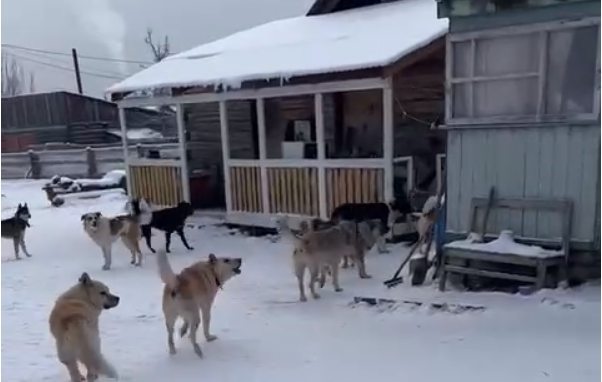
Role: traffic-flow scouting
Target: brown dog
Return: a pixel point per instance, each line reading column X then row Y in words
column 74, row 325
column 193, row 290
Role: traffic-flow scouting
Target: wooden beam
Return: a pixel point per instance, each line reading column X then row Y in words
column 261, row 132
column 223, row 117
column 124, row 143
column 185, row 176
column 319, row 113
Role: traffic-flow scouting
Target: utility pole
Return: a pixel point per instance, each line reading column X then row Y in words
column 78, row 76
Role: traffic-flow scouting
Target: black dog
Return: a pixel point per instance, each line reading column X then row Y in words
column 359, row 212
column 168, row 220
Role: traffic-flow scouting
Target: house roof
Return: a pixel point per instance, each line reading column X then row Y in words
column 357, row 39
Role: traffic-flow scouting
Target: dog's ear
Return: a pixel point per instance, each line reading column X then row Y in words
column 25, row 205
column 19, row 206
column 97, row 214
column 84, row 217
column 85, row 279
column 212, row 258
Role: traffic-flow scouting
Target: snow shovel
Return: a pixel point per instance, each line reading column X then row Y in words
column 397, row 279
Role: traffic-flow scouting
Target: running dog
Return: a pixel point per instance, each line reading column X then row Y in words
column 168, row 220
column 14, row 229
column 193, row 290
column 74, row 325
column 104, row 231
column 318, row 250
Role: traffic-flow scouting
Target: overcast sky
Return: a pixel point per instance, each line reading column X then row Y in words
column 116, row 29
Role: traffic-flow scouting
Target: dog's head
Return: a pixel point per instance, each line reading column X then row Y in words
column 91, row 220
column 92, row 292
column 225, row 267
column 23, row 212
column 186, row 208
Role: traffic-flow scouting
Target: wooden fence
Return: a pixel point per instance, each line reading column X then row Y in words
column 88, row 162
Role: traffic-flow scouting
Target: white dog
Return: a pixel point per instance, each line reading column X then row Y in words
column 105, row 231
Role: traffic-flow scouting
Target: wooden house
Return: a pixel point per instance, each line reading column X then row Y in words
column 303, row 114
column 523, row 113
column 61, row 117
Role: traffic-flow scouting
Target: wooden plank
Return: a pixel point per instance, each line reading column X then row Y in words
column 491, row 274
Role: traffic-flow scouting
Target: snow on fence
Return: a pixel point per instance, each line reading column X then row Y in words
column 78, row 162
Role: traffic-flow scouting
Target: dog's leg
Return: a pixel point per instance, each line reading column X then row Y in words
column 381, row 244
column 147, row 233
column 361, row 264
column 74, row 374
column 68, row 359
column 313, row 278
column 345, row 264
column 322, row 279
column 206, row 315
column 167, row 241
column 23, row 246
column 16, row 242
column 106, row 253
column 170, row 323
column 335, row 278
column 195, row 320
column 180, row 232
column 300, row 274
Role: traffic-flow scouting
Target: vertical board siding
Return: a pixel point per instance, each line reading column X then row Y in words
column 539, row 161
column 293, row 191
column 346, row 185
column 246, row 189
column 161, row 185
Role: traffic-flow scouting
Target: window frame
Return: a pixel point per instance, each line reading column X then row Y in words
column 543, row 29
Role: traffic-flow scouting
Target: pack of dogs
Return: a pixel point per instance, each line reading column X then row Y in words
column 319, row 248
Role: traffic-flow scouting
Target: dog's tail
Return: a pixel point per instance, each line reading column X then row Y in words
column 166, row 273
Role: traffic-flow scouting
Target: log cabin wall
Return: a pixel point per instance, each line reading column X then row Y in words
column 419, row 92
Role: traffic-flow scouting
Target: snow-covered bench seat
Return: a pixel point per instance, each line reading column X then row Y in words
column 467, row 256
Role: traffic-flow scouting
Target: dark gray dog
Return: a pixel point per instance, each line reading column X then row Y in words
column 14, row 228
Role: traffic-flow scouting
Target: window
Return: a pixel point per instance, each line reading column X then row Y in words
column 549, row 72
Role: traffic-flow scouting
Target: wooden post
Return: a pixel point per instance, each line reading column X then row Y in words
column 91, row 161
column 126, row 156
column 35, row 164
column 265, row 196
column 223, row 117
column 388, row 102
column 319, row 113
column 183, row 152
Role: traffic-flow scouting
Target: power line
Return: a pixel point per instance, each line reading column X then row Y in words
column 68, row 63
column 50, row 52
column 66, row 68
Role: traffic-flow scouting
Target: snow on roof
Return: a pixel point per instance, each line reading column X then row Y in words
column 357, row 39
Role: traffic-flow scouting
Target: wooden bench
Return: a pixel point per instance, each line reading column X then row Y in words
column 466, row 260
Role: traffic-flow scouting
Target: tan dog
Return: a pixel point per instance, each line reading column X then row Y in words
column 104, row 231
column 193, row 290
column 366, row 236
column 74, row 325
column 318, row 250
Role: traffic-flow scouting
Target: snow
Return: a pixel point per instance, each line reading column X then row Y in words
column 504, row 244
column 265, row 335
column 357, row 39
column 110, row 179
column 138, row 134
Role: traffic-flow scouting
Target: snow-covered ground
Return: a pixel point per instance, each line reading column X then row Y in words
column 264, row 334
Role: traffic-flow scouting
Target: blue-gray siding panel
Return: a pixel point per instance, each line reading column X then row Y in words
column 551, row 161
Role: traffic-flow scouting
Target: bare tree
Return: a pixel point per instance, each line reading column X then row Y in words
column 15, row 77
column 159, row 49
